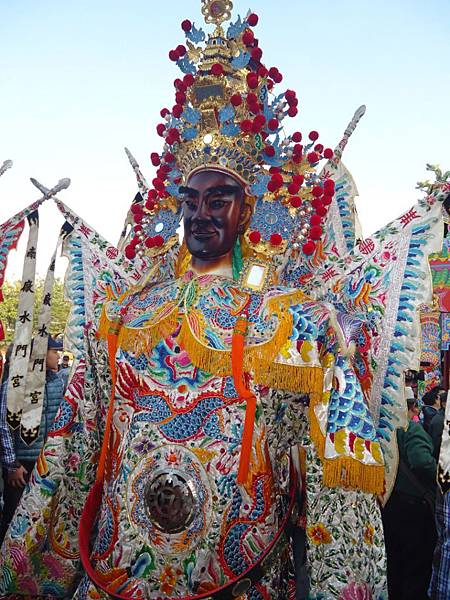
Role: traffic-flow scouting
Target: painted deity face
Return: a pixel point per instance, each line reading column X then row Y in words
column 214, row 213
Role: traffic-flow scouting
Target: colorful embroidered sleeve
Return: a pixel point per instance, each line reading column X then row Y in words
column 341, row 425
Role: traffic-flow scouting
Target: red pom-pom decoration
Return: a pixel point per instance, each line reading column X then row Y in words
column 150, row 204
column 313, row 136
column 321, row 210
column 138, row 218
column 177, row 111
column 160, row 129
column 161, row 174
column 130, row 252
column 317, row 191
column 278, row 78
column 260, row 120
column 181, row 50
column 158, row 240
column 273, row 124
column 295, row 201
column 298, row 149
column 252, row 19
column 152, row 194
column 154, row 157
column 293, row 188
column 309, row 248
column 188, row 79
column 256, row 54
column 248, row 38
column 255, row 127
column 173, row 55
column 312, row 157
column 164, row 112
column 328, row 186
column 169, row 157
column 315, row 220
column 272, row 186
column 262, row 71
column 318, row 148
column 236, row 99
column 186, row 25
column 179, row 85
column 158, row 184
column 246, row 126
column 293, row 111
column 326, row 200
column 217, row 69
column 315, row 232
column 316, row 203
column 175, row 133
column 273, row 72
column 269, row 150
column 269, row 84
column 276, row 176
column 137, row 228
column 251, row 99
column 298, row 179
column 180, row 97
column 252, row 80
column 136, row 209
column 290, row 95
column 254, row 237
column 328, row 153
column 276, row 239
column 297, row 137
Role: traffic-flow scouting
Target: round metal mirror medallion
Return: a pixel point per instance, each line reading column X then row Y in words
column 171, row 501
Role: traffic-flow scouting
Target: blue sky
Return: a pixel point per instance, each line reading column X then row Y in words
column 80, row 80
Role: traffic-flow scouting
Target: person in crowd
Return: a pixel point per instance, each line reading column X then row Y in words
column 17, row 458
column 64, row 369
column 431, row 406
column 437, row 423
column 408, row 516
column 440, row 581
column 410, row 384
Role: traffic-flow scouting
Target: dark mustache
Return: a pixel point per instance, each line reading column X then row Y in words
column 202, row 230
column 205, row 226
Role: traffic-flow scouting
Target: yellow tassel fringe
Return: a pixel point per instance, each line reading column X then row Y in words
column 258, row 358
column 344, row 471
column 143, row 340
column 348, row 472
column 301, row 379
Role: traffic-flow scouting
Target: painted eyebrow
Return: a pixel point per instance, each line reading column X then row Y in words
column 223, row 189
column 187, row 191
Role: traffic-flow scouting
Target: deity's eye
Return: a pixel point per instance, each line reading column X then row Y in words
column 190, row 204
column 216, row 204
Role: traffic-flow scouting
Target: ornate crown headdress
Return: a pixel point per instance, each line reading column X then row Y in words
column 228, row 117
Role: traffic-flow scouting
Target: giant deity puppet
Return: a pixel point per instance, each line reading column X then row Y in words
column 247, row 390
